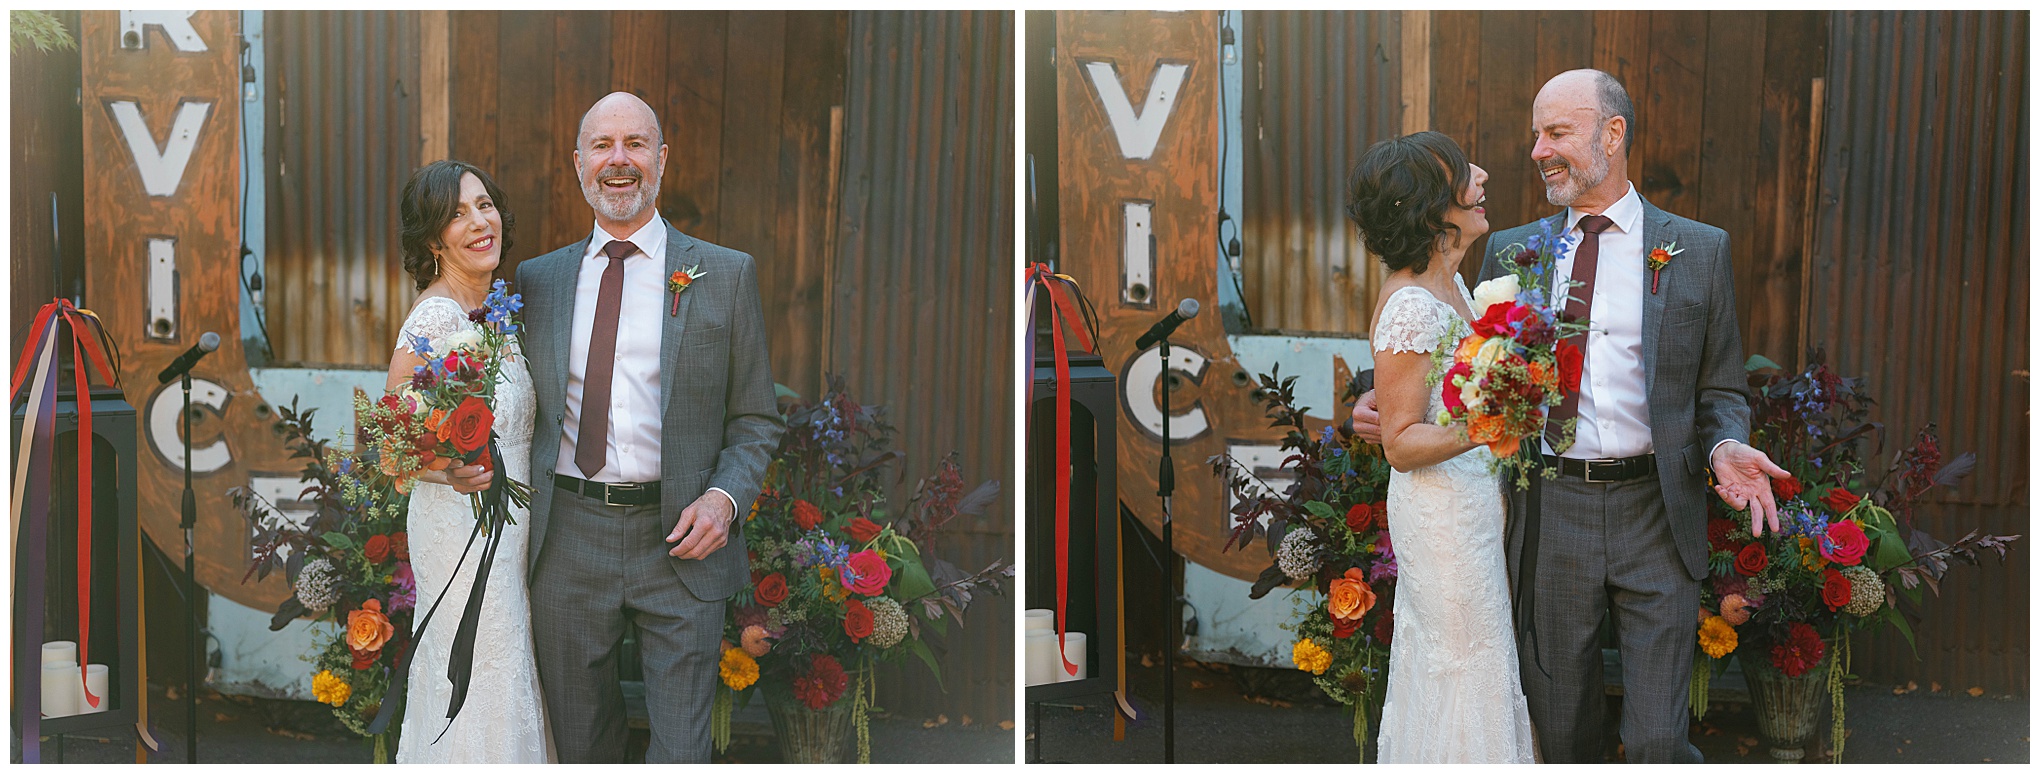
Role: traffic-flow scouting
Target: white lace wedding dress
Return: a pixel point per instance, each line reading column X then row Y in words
column 503, row 718
column 1453, row 691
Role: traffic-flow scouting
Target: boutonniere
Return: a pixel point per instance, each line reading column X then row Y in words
column 1660, row 258
column 679, row 282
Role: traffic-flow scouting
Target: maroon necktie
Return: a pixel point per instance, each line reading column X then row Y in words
column 1586, row 263
column 591, row 447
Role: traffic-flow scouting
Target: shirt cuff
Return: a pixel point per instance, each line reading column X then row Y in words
column 727, row 496
column 1717, row 447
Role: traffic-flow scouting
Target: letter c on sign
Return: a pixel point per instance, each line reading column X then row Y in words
column 164, row 425
column 1139, row 390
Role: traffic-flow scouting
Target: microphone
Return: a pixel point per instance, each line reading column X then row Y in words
column 1184, row 311
column 206, row 344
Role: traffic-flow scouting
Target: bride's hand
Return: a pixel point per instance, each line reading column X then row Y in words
column 466, row 480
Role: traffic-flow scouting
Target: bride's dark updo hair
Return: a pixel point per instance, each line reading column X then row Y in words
column 1399, row 193
column 428, row 203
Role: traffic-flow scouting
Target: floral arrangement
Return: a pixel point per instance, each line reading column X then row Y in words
column 1516, row 363
column 1328, row 530
column 451, row 400
column 348, row 563
column 1847, row 556
column 839, row 583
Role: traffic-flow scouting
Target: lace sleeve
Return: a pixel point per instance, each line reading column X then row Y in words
column 1411, row 321
column 433, row 318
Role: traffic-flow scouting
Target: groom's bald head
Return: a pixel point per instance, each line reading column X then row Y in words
column 623, row 108
column 1596, row 89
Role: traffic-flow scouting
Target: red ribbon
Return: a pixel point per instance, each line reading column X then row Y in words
column 1062, row 309
column 85, row 349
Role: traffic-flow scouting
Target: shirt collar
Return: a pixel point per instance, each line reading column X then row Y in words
column 649, row 238
column 1627, row 212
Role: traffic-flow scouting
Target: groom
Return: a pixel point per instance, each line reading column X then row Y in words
column 657, row 418
column 1622, row 530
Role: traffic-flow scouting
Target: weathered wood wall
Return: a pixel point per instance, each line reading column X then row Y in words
column 46, row 158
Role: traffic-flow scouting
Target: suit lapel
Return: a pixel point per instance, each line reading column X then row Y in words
column 679, row 255
column 1657, row 227
column 565, row 282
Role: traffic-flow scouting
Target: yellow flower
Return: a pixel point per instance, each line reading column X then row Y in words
column 329, row 688
column 1810, row 556
column 739, row 670
column 831, row 590
column 1310, row 657
column 1717, row 638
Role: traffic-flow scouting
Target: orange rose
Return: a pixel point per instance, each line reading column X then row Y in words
column 434, row 419
column 1542, row 375
column 467, row 428
column 368, row 628
column 1468, row 346
column 1485, row 428
column 1351, row 596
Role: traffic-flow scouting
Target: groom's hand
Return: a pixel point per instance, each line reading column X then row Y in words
column 704, row 526
column 1367, row 418
column 1742, row 477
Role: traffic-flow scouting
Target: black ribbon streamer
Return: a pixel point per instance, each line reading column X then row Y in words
column 495, row 513
column 1526, row 565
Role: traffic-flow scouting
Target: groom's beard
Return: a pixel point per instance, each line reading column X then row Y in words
column 621, row 206
column 1578, row 180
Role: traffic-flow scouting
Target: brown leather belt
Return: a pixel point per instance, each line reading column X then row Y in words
column 1605, row 471
column 610, row 494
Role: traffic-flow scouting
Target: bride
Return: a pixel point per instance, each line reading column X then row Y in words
column 454, row 234
column 1453, row 692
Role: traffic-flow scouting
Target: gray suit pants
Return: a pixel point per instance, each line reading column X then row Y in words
column 1608, row 548
column 602, row 566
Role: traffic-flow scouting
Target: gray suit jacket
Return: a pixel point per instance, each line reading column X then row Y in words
column 1692, row 364
column 718, row 413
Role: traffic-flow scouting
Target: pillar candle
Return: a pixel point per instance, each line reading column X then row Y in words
column 95, row 682
column 59, row 689
column 1038, row 618
column 60, row 651
column 1074, row 649
column 1040, row 656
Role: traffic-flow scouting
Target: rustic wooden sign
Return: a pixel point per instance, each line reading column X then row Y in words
column 162, row 237
column 1137, row 95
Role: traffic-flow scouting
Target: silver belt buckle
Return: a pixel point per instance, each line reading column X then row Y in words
column 1590, row 471
column 610, row 489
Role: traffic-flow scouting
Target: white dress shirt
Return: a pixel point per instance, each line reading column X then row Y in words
column 1614, row 411
column 634, row 438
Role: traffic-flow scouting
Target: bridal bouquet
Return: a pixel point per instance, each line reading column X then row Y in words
column 1847, row 556
column 1505, row 375
column 1328, row 530
column 839, row 582
column 348, row 564
column 451, row 402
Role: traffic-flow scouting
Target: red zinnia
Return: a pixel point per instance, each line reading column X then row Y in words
column 1384, row 626
column 400, row 545
column 363, row 659
column 1344, row 628
column 1800, row 651
column 1752, row 559
column 1835, row 590
column 1360, row 517
column 1786, row 488
column 1720, row 535
column 863, row 530
column 857, row 619
column 806, row 515
column 823, row 684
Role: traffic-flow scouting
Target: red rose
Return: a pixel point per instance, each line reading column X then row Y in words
column 1752, row 559
column 363, row 659
column 857, row 620
column 467, row 428
column 1384, row 626
column 1844, row 543
column 1360, row 517
column 806, row 515
column 1840, row 500
column 377, row 549
column 869, row 573
column 1835, row 590
column 400, row 545
column 1495, row 321
column 1786, row 488
column 771, row 591
column 1343, row 628
column 1570, row 363
column 863, row 530
column 1720, row 535
column 1449, row 391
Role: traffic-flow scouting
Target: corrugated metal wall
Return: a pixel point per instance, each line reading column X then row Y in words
column 342, row 139
column 1919, row 281
column 1320, row 87
column 921, row 294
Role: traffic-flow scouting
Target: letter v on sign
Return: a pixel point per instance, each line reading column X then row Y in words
column 161, row 167
column 1137, row 133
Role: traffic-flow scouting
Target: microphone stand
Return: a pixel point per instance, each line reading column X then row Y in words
column 1167, row 477
column 192, row 590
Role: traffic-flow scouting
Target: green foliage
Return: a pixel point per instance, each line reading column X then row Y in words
column 40, row 29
